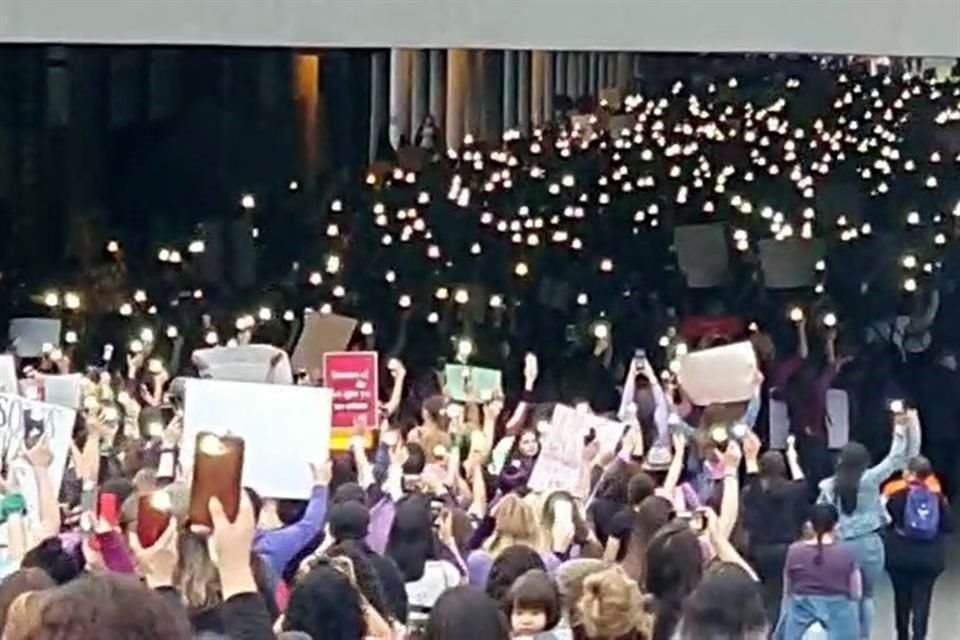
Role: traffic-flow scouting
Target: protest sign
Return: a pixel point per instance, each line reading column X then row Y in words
column 248, row 363
column 23, row 421
column 788, row 264
column 838, row 420
column 285, row 428
column 561, row 450
column 28, row 335
column 558, row 466
column 62, row 390
column 8, row 374
column 702, row 254
column 352, row 378
column 322, row 333
column 738, row 382
column 469, row 384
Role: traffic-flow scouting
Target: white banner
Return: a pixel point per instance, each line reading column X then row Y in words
column 284, row 428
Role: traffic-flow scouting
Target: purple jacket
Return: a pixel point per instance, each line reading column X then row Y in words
column 279, row 546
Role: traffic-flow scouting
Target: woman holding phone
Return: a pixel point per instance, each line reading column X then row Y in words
column 854, row 490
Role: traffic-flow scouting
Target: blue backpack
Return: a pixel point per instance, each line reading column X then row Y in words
column 921, row 514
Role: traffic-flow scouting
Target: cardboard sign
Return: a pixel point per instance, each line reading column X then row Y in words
column 352, row 378
column 249, row 363
column 28, row 335
column 21, row 419
column 8, row 374
column 788, row 264
column 322, row 333
column 719, row 375
column 471, row 384
column 838, row 420
column 702, row 254
column 561, row 451
column 285, row 428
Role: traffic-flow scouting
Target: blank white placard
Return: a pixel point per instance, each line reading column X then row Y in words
column 284, row 428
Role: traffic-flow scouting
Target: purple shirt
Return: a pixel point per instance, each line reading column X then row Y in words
column 480, row 561
column 834, row 574
column 279, row 546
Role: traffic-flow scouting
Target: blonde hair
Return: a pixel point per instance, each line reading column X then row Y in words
column 612, row 606
column 515, row 523
column 196, row 578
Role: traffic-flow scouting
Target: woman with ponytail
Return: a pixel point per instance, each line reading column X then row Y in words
column 854, row 490
column 821, row 582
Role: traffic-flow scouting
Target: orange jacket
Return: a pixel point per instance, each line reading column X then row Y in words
column 898, row 484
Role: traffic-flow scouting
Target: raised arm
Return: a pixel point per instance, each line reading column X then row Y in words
column 895, row 459
column 399, row 372
column 676, row 464
column 730, row 502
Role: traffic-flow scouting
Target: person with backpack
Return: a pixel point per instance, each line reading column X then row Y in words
column 916, row 547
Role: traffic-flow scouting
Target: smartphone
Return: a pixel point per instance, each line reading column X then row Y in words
column 640, row 356
column 217, row 472
column 153, row 516
column 897, row 406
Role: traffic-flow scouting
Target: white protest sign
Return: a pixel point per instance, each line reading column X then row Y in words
column 788, row 264
column 719, row 375
column 248, row 363
column 8, row 374
column 18, row 417
column 284, row 428
column 558, row 465
column 702, row 254
column 28, row 335
column 838, row 420
column 62, row 390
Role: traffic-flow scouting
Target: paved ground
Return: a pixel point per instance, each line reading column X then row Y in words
column 945, row 612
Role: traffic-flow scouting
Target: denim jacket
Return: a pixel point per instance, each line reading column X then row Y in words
column 870, row 515
column 837, row 614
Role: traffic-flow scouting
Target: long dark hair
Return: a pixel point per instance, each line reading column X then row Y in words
column 773, row 472
column 823, row 519
column 411, row 541
column 853, row 461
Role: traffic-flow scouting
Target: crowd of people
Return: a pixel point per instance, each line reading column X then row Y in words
column 549, row 257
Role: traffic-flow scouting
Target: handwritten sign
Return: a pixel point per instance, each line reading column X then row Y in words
column 469, row 384
column 22, row 422
column 561, row 450
column 352, row 377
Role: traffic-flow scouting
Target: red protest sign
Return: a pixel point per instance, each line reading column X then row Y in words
column 352, row 376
